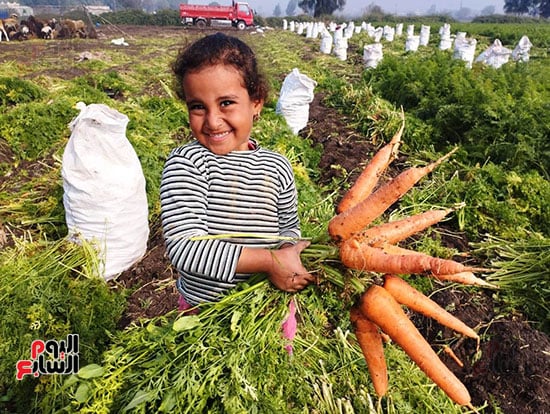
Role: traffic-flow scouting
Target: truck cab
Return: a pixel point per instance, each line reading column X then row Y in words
column 245, row 15
column 239, row 15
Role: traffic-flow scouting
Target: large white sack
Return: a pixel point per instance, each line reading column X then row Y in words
column 465, row 49
column 377, row 35
column 495, row 55
column 372, row 54
column 424, row 35
column 445, row 43
column 412, row 42
column 522, row 49
column 398, row 29
column 341, row 48
column 388, row 33
column 104, row 188
column 294, row 98
column 326, row 42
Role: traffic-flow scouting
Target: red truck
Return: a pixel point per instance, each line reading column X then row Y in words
column 239, row 14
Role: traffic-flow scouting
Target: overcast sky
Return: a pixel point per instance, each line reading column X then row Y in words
column 355, row 7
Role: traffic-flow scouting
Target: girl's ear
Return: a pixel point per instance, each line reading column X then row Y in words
column 258, row 105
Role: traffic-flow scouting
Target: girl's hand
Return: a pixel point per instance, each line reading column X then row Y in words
column 287, row 272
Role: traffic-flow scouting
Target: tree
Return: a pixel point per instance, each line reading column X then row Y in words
column 487, row 11
column 531, row 7
column 519, row 6
column 463, row 14
column 544, row 9
column 321, row 7
column 432, row 11
column 291, row 7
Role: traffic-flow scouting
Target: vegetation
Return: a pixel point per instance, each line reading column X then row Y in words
column 231, row 358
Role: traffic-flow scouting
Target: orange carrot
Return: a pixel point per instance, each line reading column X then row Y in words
column 370, row 341
column 466, row 278
column 356, row 253
column 398, row 230
column 378, row 305
column 368, row 179
column 351, row 221
column 406, row 295
column 396, row 250
column 447, row 349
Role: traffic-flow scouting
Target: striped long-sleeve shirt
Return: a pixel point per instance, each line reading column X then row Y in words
column 204, row 194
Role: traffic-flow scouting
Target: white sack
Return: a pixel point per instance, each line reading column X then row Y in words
column 315, row 30
column 295, row 96
column 465, row 49
column 104, row 188
column 398, row 29
column 495, row 55
column 445, row 43
column 309, row 31
column 411, row 44
column 377, row 35
column 341, row 48
column 372, row 55
column 522, row 49
column 326, row 43
column 389, row 33
column 445, row 30
column 424, row 35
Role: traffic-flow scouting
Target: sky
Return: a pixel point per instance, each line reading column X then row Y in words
column 355, row 7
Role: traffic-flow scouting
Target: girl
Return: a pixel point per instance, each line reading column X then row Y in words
column 224, row 184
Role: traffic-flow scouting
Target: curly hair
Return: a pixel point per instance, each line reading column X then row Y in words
column 220, row 49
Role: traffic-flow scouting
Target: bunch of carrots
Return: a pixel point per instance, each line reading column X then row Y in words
column 375, row 249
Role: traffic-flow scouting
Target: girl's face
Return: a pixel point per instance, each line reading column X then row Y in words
column 220, row 110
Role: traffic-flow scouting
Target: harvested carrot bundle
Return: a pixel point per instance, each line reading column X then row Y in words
column 398, row 230
column 406, row 295
column 353, row 220
column 370, row 341
column 356, row 253
column 368, row 179
column 378, row 305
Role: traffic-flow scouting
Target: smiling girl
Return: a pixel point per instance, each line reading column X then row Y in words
column 225, row 200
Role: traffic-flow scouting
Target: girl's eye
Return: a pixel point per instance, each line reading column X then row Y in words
column 226, row 103
column 195, row 107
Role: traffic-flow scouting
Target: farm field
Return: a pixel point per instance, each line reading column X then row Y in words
column 231, row 358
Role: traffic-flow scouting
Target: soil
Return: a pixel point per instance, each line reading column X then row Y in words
column 512, row 366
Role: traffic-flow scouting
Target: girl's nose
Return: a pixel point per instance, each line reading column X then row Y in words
column 213, row 119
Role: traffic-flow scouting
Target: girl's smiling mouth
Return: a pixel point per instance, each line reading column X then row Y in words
column 217, row 135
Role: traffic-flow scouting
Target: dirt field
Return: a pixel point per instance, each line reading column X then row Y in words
column 514, row 368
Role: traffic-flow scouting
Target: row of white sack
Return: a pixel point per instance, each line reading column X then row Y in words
column 337, row 43
column 495, row 55
column 334, row 38
column 387, row 32
column 297, row 91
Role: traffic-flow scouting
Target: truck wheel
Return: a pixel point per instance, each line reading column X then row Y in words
column 201, row 24
column 241, row 25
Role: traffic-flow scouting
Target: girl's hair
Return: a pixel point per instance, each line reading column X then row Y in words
column 220, row 49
